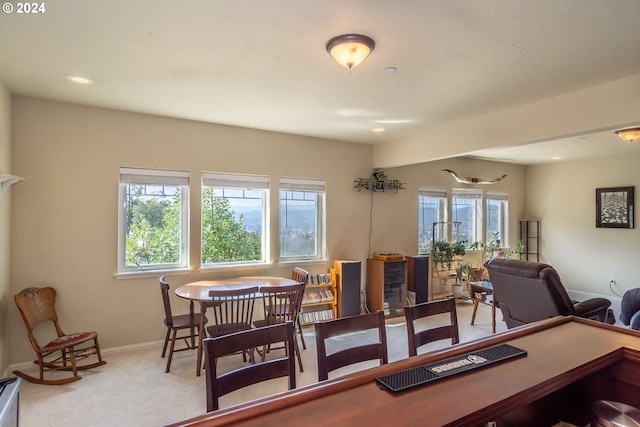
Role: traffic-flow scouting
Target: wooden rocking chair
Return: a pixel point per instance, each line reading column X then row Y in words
column 37, row 305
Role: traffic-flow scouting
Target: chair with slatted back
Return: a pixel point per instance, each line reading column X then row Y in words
column 63, row 353
column 300, row 275
column 351, row 354
column 219, row 385
column 175, row 324
column 430, row 333
column 281, row 303
column 231, row 312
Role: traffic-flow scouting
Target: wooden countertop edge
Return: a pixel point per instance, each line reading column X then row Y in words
column 303, row 394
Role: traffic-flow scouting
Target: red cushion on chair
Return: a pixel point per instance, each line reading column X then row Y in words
column 69, row 340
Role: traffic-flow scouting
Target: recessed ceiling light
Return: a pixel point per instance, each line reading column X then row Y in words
column 378, row 130
column 390, row 69
column 395, row 121
column 556, row 158
column 80, row 80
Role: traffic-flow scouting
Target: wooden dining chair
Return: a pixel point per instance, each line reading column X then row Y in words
column 187, row 323
column 353, row 354
column 63, row 353
column 300, row 275
column 431, row 333
column 231, row 312
column 281, row 304
column 219, row 385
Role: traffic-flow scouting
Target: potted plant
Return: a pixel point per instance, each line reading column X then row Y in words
column 442, row 254
column 490, row 249
column 464, row 272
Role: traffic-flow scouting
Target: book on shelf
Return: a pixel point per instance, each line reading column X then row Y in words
column 319, row 279
column 317, row 296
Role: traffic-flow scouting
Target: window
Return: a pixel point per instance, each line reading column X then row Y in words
column 466, row 207
column 301, row 219
column 497, row 216
column 234, row 218
column 432, row 207
column 153, row 220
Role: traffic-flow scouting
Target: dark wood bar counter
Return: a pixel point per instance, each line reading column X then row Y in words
column 570, row 363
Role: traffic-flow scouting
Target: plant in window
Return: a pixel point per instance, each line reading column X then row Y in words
column 490, row 249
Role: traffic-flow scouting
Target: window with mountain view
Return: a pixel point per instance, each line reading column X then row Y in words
column 301, row 219
column 466, row 207
column 234, row 218
column 153, row 220
column 432, row 207
column 497, row 216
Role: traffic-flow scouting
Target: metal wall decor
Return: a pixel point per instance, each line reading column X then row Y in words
column 614, row 207
column 378, row 182
column 471, row 180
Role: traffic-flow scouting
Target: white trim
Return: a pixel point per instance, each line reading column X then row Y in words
column 228, row 180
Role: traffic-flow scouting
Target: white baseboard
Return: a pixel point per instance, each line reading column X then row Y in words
column 141, row 346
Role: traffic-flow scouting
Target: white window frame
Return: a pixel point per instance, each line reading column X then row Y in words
column 443, row 202
column 298, row 185
column 477, row 225
column 230, row 181
column 153, row 177
column 503, row 198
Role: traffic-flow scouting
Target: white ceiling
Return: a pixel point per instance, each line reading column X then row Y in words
column 263, row 64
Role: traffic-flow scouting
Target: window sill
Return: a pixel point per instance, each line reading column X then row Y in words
column 152, row 273
column 299, row 262
column 235, row 267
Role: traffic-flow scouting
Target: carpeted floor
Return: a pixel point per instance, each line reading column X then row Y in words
column 132, row 389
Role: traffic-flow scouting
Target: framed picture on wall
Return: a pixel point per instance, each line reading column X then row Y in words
column 614, row 207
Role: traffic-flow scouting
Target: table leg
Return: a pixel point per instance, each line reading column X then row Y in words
column 201, row 334
column 475, row 308
column 192, row 329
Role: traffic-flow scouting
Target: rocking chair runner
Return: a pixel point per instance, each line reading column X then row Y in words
column 37, row 305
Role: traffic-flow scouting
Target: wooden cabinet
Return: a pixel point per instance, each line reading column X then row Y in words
column 387, row 286
column 320, row 297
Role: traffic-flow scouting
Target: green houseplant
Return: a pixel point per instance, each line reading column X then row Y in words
column 464, row 272
column 442, row 254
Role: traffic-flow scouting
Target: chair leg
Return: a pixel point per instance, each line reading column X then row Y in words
column 475, row 309
column 166, row 341
column 299, row 328
column 173, row 342
column 296, row 349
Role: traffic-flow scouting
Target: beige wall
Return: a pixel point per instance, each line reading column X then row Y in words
column 64, row 225
column 562, row 196
column 64, row 217
column 6, row 296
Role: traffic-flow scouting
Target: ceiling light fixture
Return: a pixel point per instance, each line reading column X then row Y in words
column 80, row 80
column 629, row 134
column 349, row 50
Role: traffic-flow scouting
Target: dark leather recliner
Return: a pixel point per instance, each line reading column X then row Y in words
column 630, row 308
column 531, row 291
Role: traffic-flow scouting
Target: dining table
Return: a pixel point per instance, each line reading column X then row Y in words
column 199, row 292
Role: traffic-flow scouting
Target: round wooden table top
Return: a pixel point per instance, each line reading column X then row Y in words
column 199, row 291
